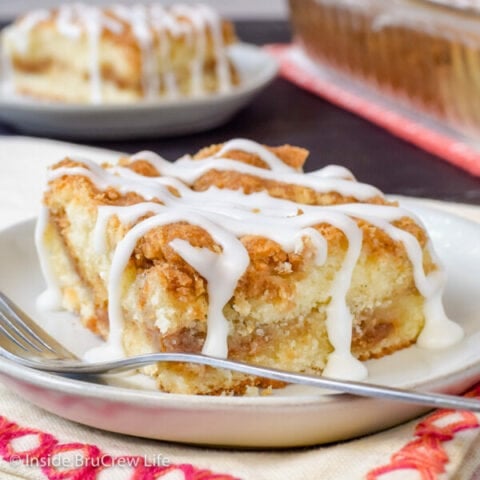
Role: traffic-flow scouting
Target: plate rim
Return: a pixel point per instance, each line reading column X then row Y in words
column 148, row 398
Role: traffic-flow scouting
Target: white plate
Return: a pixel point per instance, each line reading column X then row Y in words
column 293, row 416
column 142, row 119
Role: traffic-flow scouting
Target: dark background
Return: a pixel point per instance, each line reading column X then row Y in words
column 286, row 114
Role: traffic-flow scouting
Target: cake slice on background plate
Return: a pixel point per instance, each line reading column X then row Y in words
column 86, row 54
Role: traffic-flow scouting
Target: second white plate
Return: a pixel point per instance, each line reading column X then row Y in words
column 144, row 119
column 293, row 416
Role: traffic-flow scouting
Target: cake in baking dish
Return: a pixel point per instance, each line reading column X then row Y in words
column 424, row 53
column 235, row 252
column 86, row 54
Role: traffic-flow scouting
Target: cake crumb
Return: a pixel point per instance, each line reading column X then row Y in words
column 267, row 391
column 252, row 391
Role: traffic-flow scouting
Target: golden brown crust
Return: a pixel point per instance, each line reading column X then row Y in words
column 293, row 156
column 250, row 184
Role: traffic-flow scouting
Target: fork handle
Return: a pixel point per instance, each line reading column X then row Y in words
column 435, row 400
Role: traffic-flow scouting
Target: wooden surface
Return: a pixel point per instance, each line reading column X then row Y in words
column 287, row 114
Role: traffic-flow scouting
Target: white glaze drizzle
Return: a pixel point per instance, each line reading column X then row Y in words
column 334, row 171
column 249, row 146
column 229, row 215
column 164, row 25
column 213, row 20
column 152, row 26
column 188, row 171
column 66, row 23
column 138, row 18
column 198, row 23
column 51, row 298
column 94, row 30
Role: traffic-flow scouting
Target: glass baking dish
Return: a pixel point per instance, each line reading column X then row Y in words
column 424, row 52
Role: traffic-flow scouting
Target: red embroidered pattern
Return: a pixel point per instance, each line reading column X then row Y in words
column 426, row 454
column 93, row 459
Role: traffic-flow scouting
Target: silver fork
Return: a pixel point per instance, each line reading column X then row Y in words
column 24, row 342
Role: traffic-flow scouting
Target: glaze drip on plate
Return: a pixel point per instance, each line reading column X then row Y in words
column 228, row 216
